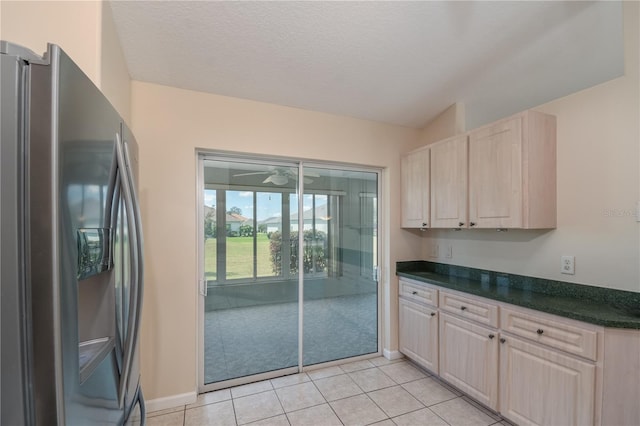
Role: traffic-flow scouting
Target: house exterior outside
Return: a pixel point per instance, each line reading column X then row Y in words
column 274, row 223
column 233, row 220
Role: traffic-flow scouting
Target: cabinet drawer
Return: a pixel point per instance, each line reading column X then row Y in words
column 466, row 307
column 551, row 332
column 418, row 293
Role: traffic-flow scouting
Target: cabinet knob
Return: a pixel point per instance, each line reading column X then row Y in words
column 461, row 224
column 539, row 331
column 463, row 308
column 433, row 314
column 472, row 224
column 491, row 336
column 503, row 340
column 414, row 292
column 424, row 223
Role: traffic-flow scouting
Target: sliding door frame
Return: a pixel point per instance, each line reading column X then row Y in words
column 201, row 283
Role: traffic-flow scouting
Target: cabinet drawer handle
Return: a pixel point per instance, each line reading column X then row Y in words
column 460, row 224
column 414, row 292
column 424, row 223
column 472, row 224
column 503, row 340
column 433, row 314
column 491, row 336
column 539, row 331
column 463, row 308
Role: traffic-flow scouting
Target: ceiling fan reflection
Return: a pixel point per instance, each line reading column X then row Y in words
column 280, row 177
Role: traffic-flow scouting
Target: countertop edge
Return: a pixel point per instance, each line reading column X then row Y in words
column 634, row 325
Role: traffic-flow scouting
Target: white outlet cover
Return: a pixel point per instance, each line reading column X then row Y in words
column 568, row 265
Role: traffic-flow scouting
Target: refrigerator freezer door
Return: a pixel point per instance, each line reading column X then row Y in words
column 14, row 352
column 72, row 163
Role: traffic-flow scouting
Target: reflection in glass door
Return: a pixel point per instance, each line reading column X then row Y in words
column 262, row 243
column 340, row 264
column 251, row 304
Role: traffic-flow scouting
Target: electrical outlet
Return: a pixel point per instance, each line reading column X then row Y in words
column 434, row 251
column 449, row 253
column 568, row 265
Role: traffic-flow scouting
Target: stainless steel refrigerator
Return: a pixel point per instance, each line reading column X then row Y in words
column 71, row 247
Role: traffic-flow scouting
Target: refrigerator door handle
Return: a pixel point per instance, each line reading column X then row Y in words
column 115, row 225
column 110, row 216
column 139, row 249
column 134, row 274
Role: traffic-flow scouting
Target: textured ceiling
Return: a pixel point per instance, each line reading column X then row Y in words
column 394, row 62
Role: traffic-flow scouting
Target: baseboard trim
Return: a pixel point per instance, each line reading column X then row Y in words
column 171, row 401
column 392, row 355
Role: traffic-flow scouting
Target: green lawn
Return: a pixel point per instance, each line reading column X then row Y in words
column 239, row 257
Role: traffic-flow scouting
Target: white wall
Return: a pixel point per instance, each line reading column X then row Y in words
column 85, row 31
column 170, row 124
column 449, row 122
column 115, row 81
column 598, row 187
column 72, row 25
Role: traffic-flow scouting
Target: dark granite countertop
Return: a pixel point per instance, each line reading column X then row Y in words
column 595, row 305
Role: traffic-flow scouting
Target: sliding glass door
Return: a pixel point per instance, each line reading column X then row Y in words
column 340, row 304
column 271, row 231
column 250, row 307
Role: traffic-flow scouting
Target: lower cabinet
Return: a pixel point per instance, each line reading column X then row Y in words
column 532, row 367
column 539, row 386
column 419, row 333
column 469, row 358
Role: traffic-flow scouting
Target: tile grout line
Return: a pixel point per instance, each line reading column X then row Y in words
column 280, row 402
column 327, row 401
column 400, row 385
column 348, row 374
column 371, row 399
column 428, row 375
column 419, row 409
column 233, row 407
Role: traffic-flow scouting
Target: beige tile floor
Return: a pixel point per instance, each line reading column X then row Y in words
column 375, row 391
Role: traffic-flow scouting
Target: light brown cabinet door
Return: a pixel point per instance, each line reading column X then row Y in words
column 415, row 189
column 495, row 175
column 419, row 334
column 539, row 386
column 449, row 183
column 469, row 358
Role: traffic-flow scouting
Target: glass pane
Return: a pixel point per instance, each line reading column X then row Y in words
column 210, row 233
column 293, row 235
column 239, row 228
column 251, row 307
column 269, row 234
column 340, row 286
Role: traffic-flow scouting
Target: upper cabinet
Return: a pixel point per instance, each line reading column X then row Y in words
column 512, row 173
column 415, row 189
column 449, row 183
column 502, row 175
